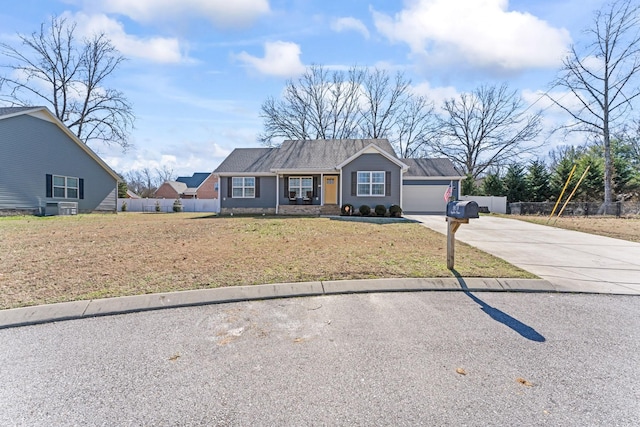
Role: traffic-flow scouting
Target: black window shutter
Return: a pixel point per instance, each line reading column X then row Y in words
column 354, row 183
column 387, row 183
column 257, row 187
column 49, row 185
column 315, row 186
column 229, row 187
column 81, row 188
column 286, row 185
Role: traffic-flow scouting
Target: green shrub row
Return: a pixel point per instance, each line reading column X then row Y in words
column 365, row 210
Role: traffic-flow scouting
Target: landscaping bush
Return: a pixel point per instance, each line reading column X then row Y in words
column 347, row 209
column 124, row 207
column 177, row 205
column 380, row 210
column 364, row 210
column 395, row 211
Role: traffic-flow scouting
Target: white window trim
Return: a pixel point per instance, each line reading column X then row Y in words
column 371, row 184
column 66, row 187
column 244, row 187
column 301, row 187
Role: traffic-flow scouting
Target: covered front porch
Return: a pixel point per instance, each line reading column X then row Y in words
column 308, row 193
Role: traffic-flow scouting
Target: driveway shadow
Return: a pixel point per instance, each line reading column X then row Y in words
column 498, row 315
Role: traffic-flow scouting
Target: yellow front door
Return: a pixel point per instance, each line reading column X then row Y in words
column 330, row 190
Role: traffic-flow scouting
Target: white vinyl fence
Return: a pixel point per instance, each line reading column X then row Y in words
column 496, row 204
column 166, row 205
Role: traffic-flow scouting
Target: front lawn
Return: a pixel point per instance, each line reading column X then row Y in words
column 618, row 228
column 54, row 259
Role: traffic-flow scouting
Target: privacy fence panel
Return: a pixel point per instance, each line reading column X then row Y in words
column 166, row 205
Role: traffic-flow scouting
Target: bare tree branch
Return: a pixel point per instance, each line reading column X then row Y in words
column 486, row 129
column 605, row 93
column 53, row 68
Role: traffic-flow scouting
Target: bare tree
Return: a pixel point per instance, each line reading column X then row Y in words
column 602, row 77
column 164, row 173
column 486, row 128
column 417, row 127
column 318, row 105
column 51, row 67
column 359, row 103
column 381, row 102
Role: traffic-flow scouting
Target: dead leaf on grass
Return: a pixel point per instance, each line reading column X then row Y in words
column 524, row 382
column 299, row 340
column 174, row 357
column 461, row 371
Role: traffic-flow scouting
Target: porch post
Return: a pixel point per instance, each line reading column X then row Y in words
column 321, row 188
column 340, row 184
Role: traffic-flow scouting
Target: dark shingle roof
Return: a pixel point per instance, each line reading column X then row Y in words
column 430, row 167
column 5, row 111
column 321, row 154
column 247, row 160
column 194, row 181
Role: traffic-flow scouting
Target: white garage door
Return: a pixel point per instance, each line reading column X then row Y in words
column 424, row 198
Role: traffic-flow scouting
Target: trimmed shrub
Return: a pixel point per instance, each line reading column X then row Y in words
column 123, row 208
column 346, row 209
column 380, row 210
column 157, row 206
column 395, row 211
column 177, row 205
column 364, row 210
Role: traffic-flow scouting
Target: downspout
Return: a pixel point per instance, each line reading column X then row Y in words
column 277, row 192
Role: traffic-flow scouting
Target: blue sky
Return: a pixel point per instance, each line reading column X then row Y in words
column 198, row 70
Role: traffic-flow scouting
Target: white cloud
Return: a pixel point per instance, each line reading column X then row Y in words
column 436, row 94
column 280, row 59
column 350, row 24
column 482, row 33
column 184, row 159
column 222, row 13
column 157, row 49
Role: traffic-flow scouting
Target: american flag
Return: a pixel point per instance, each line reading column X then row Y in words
column 449, row 192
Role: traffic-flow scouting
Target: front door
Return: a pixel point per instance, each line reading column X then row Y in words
column 330, row 189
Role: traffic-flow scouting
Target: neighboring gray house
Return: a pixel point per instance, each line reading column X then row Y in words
column 44, row 166
column 320, row 176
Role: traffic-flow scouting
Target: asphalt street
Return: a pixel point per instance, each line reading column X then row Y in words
column 411, row 358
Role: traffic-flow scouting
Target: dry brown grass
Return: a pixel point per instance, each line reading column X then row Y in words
column 618, row 228
column 44, row 260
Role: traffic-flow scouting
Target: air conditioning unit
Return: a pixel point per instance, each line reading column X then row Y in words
column 61, row 208
column 67, row 208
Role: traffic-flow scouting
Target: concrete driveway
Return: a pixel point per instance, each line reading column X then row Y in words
column 563, row 257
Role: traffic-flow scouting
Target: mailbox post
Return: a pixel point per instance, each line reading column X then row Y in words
column 458, row 212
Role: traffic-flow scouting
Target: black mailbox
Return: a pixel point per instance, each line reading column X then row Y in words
column 462, row 209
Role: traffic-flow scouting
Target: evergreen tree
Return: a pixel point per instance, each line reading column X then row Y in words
column 515, row 183
column 538, row 180
column 492, row 185
column 559, row 177
column 592, row 186
column 469, row 186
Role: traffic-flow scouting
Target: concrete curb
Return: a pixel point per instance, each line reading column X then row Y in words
column 110, row 306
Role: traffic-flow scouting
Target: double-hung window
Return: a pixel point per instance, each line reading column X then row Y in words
column 371, row 183
column 65, row 187
column 244, row 187
column 301, row 185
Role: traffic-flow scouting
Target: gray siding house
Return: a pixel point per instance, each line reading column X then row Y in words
column 43, row 163
column 320, row 176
